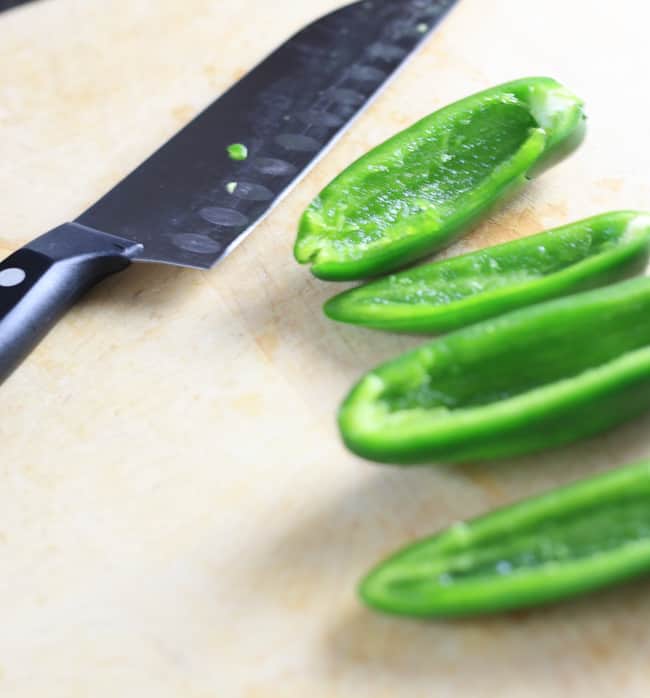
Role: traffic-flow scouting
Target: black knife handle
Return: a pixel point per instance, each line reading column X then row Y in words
column 41, row 281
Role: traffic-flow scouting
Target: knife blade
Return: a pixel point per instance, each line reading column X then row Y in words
column 190, row 203
column 10, row 4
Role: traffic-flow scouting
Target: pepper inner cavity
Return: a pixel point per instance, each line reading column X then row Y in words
column 462, row 277
column 573, row 537
column 426, row 176
column 520, row 353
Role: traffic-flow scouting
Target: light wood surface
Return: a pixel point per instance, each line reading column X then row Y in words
column 178, row 518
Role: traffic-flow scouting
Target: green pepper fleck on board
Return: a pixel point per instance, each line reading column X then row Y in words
column 570, row 541
column 531, row 379
column 455, row 292
column 419, row 190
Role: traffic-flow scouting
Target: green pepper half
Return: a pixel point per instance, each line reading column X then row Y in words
column 446, row 295
column 416, row 192
column 573, row 540
column 522, row 382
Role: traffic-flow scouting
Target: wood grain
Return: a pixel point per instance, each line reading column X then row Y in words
column 177, row 516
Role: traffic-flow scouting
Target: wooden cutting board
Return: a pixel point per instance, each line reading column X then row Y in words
column 178, row 518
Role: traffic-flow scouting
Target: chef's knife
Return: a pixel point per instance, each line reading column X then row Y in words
column 189, row 204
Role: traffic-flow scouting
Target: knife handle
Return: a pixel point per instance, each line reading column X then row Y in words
column 41, row 281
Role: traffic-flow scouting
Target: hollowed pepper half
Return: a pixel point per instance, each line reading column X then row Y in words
column 577, row 539
column 455, row 292
column 419, row 190
column 522, row 382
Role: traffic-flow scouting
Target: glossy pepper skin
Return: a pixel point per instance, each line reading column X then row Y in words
column 522, row 382
column 568, row 542
column 419, row 190
column 446, row 295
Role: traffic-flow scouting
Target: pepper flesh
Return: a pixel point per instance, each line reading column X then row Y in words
column 570, row 541
column 419, row 190
column 452, row 293
column 525, row 381
column 237, row 151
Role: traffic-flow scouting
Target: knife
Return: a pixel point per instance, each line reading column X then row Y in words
column 190, row 203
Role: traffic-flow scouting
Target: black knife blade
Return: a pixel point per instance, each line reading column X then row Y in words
column 189, row 204
column 10, row 4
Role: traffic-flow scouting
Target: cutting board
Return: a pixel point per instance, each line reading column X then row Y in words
column 178, row 518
